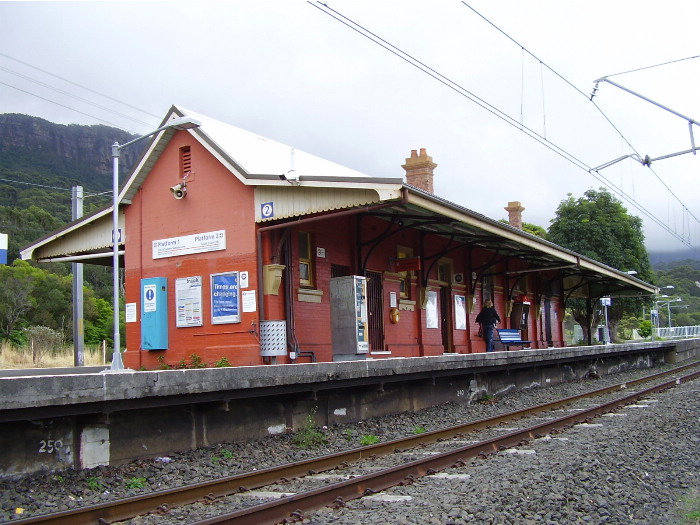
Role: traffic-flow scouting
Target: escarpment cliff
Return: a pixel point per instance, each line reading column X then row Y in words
column 37, row 148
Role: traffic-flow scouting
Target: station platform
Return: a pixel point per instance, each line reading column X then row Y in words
column 105, row 417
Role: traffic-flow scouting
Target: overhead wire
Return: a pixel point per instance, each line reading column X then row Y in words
column 63, row 105
column 598, row 108
column 85, row 194
column 34, row 184
column 492, row 109
column 444, row 80
column 651, row 67
column 81, row 86
column 71, row 95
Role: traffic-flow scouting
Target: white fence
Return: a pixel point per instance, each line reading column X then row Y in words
column 677, row 332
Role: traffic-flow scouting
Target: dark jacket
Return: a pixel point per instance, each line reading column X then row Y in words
column 488, row 316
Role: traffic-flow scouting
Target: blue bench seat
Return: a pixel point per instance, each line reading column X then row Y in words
column 511, row 337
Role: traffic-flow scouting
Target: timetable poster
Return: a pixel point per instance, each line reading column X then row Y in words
column 188, row 301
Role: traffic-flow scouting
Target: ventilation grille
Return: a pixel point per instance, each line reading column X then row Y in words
column 273, row 338
column 185, row 161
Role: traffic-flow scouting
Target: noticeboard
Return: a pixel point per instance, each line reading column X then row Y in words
column 188, row 300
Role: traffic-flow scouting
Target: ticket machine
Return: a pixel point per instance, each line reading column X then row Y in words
column 520, row 313
column 349, row 320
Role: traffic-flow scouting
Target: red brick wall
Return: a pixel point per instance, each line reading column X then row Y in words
column 216, row 200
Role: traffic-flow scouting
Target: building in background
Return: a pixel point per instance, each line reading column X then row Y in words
column 243, row 250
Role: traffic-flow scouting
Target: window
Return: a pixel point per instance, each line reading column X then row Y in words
column 404, row 277
column 444, row 271
column 487, row 288
column 338, row 270
column 305, row 262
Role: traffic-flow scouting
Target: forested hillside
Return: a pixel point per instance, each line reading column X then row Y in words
column 39, row 164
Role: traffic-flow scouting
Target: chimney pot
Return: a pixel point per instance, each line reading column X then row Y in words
column 419, row 170
column 515, row 214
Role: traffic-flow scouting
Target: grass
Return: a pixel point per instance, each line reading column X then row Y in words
column 21, row 357
column 135, row 483
column 369, row 439
column 94, row 483
column 691, row 509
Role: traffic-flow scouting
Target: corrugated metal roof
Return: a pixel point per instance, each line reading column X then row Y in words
column 318, row 185
column 296, row 201
column 88, row 235
column 255, row 155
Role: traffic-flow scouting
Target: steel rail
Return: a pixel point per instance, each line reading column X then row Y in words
column 162, row 500
column 290, row 509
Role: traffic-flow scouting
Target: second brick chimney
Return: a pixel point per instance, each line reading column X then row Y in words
column 419, row 170
column 515, row 214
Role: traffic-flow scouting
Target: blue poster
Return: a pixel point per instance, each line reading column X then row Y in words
column 225, row 298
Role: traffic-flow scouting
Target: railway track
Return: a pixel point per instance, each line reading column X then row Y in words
column 294, row 489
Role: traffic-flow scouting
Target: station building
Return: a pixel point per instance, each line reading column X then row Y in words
column 239, row 250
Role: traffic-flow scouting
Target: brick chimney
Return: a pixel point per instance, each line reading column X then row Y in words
column 515, row 214
column 419, row 170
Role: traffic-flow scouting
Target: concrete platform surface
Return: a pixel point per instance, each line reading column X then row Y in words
column 18, row 392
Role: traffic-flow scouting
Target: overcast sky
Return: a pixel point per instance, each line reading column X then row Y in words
column 289, row 71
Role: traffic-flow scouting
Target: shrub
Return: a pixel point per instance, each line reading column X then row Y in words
column 196, row 361
column 644, row 328
column 309, row 436
column 222, row 363
column 43, row 341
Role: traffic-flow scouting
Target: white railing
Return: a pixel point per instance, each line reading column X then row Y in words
column 677, row 332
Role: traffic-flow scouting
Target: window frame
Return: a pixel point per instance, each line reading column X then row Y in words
column 305, row 256
column 405, row 278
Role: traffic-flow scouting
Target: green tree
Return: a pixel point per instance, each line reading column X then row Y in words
column 16, row 285
column 532, row 229
column 683, row 277
column 99, row 327
column 598, row 226
column 37, row 296
column 24, row 226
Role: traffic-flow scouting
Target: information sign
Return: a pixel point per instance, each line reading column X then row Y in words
column 188, row 301
column 225, row 302
column 189, row 244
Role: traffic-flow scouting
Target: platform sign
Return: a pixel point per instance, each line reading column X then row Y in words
column 225, row 300
column 3, row 248
column 267, row 210
column 189, row 244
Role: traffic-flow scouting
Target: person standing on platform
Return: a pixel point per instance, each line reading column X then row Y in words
column 488, row 318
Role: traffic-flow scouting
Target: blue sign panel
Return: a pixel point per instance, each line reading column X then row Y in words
column 225, row 304
column 267, row 210
column 3, row 248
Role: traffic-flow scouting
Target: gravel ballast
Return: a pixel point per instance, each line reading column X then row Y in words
column 636, row 468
